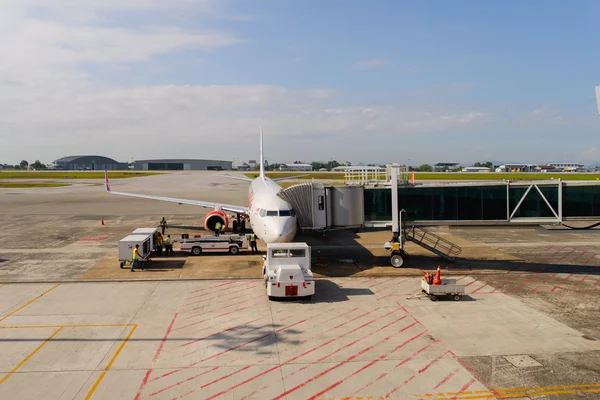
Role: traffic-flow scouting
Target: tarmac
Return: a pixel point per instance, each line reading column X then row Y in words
column 73, row 325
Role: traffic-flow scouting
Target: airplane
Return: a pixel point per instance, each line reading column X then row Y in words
column 272, row 219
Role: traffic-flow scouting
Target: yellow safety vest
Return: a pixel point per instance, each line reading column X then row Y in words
column 163, row 222
column 136, row 254
column 252, row 237
column 168, row 242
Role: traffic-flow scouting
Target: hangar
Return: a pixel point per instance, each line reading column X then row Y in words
column 182, row 165
column 92, row 163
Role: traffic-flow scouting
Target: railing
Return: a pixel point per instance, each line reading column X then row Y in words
column 365, row 175
column 433, row 242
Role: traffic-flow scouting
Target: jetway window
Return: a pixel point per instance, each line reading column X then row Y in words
column 321, row 202
column 271, row 213
column 285, row 213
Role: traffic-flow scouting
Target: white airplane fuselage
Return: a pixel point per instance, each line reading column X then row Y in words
column 272, row 218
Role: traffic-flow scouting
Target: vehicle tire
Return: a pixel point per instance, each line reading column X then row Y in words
column 396, row 260
column 270, row 298
column 433, row 297
column 234, row 250
column 456, row 297
column 196, row 250
column 121, row 265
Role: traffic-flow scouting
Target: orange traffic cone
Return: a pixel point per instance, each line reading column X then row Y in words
column 437, row 280
column 412, row 179
column 102, row 221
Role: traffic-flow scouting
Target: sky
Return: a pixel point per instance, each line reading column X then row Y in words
column 365, row 81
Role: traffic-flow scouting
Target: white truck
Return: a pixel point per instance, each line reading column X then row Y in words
column 127, row 244
column 286, row 270
column 197, row 245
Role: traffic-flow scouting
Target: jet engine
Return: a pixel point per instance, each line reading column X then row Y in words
column 213, row 217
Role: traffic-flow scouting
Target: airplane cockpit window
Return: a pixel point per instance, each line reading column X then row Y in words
column 271, row 213
column 285, row 213
column 262, row 213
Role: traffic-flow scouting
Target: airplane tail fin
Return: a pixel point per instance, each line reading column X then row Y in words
column 106, row 185
column 262, row 159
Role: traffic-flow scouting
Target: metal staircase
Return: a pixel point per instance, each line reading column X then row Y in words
column 432, row 242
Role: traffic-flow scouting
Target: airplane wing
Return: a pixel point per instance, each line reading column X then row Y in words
column 239, row 178
column 288, row 177
column 207, row 204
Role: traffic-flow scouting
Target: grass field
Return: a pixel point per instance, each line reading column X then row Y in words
column 71, row 174
column 450, row 176
column 21, row 185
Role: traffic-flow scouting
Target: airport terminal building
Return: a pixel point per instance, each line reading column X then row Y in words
column 89, row 163
column 182, row 165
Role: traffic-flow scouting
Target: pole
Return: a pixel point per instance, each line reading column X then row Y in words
column 395, row 224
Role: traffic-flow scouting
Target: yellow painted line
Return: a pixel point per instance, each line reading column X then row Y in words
column 64, row 326
column 500, row 393
column 15, row 369
column 110, row 363
column 29, row 302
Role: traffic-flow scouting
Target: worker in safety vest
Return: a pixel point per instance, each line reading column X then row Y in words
column 253, row 242
column 136, row 258
column 217, row 228
column 159, row 244
column 163, row 224
column 169, row 246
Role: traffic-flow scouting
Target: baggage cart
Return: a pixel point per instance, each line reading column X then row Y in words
column 127, row 244
column 449, row 287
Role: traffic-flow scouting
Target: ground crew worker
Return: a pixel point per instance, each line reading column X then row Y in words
column 163, row 224
column 217, row 228
column 159, row 244
column 223, row 229
column 243, row 226
column 169, row 246
column 136, row 258
column 253, row 242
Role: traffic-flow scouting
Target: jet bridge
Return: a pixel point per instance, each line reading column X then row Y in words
column 373, row 197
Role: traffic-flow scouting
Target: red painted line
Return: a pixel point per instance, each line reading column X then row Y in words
column 238, row 285
column 379, row 283
column 160, row 347
column 565, row 256
column 212, row 287
column 577, row 258
column 213, row 382
column 476, row 279
column 595, row 284
column 349, row 344
column 461, row 278
column 446, row 378
column 184, row 381
column 218, row 333
column 229, row 298
column 527, row 281
column 368, row 366
column 462, row 389
column 164, row 375
column 298, row 356
column 543, row 282
column 321, row 374
column 355, row 318
column 231, row 305
column 564, row 280
column 419, row 372
column 212, row 318
column 507, row 282
column 245, row 368
column 590, row 259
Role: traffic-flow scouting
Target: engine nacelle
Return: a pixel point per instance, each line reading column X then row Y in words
column 211, row 219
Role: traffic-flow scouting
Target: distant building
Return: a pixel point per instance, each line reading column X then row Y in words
column 444, row 166
column 182, row 165
column 476, row 169
column 568, row 167
column 296, row 167
column 517, row 168
column 89, row 163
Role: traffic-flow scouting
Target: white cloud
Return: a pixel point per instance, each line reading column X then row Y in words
column 547, row 112
column 370, row 64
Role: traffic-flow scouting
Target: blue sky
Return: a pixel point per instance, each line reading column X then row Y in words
column 364, row 81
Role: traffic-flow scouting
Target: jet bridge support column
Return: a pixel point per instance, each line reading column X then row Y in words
column 395, row 219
